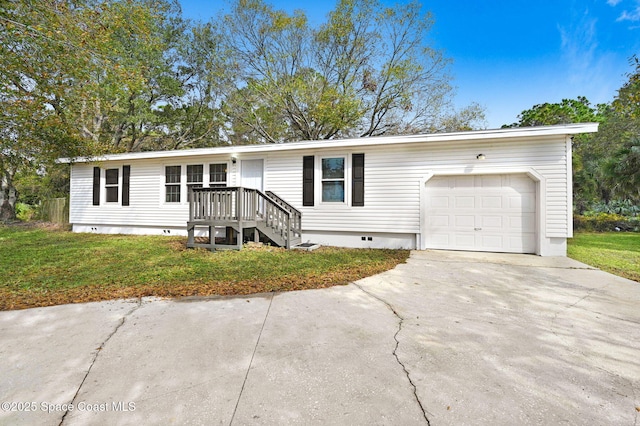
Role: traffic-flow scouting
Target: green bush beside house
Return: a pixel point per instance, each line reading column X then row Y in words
column 605, row 222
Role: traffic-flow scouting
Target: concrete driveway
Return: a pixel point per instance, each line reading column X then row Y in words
column 445, row 339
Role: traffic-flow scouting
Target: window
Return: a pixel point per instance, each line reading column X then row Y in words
column 172, row 183
column 194, row 176
column 217, row 175
column 333, row 180
column 111, row 184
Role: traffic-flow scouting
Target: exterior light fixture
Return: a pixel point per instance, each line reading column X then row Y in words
column 480, row 157
column 234, row 159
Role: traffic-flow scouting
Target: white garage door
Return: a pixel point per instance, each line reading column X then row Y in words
column 481, row 213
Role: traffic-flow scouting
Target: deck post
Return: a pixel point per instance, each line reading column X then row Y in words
column 212, row 238
column 241, row 214
column 190, row 236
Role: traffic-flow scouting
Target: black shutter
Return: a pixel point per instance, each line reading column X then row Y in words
column 96, row 186
column 357, row 181
column 307, row 180
column 126, row 171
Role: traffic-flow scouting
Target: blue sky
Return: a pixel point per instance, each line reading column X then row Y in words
column 511, row 55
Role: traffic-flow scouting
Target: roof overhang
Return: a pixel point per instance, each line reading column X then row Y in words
column 474, row 135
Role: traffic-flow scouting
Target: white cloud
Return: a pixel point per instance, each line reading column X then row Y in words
column 578, row 44
column 587, row 67
column 632, row 16
column 627, row 14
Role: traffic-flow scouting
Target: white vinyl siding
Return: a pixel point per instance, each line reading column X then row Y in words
column 148, row 207
column 393, row 175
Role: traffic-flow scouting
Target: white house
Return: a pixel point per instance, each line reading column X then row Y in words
column 505, row 190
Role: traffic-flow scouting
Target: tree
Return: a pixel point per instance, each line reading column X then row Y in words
column 619, row 139
column 206, row 73
column 588, row 180
column 367, row 71
column 567, row 111
column 83, row 77
column 30, row 90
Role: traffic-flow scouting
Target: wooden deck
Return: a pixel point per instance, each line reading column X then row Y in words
column 242, row 210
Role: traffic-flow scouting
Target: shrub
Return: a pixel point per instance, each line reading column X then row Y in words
column 25, row 212
column 621, row 207
column 604, row 222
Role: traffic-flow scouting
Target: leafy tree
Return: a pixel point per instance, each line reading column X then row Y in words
column 567, row 111
column 206, row 74
column 30, row 90
column 131, row 74
column 81, row 77
column 367, row 71
column 468, row 118
column 588, row 179
column 619, row 139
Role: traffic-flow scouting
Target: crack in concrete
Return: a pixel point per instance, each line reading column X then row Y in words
column 566, row 308
column 552, row 324
column 95, row 357
column 255, row 348
column 395, row 349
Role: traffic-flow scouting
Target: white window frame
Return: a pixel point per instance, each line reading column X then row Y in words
column 194, row 184
column 346, row 179
column 227, row 172
column 179, row 184
column 116, row 185
column 184, row 185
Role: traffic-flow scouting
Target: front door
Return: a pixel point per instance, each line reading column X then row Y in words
column 252, row 174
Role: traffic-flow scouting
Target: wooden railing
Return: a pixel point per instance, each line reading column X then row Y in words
column 209, row 204
column 296, row 215
column 238, row 204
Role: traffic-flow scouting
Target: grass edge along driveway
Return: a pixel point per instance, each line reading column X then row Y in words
column 614, row 252
column 44, row 267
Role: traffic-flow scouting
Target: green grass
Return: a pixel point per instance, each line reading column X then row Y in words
column 615, row 252
column 42, row 267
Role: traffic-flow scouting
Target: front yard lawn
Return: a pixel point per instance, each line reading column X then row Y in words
column 615, row 252
column 42, row 267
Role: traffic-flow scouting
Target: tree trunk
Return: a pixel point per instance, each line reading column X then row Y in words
column 8, row 197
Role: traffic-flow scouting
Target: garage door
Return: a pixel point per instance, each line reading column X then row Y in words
column 481, row 213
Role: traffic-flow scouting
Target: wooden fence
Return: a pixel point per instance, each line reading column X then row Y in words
column 55, row 210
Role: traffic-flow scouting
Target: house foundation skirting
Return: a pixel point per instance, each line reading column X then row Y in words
column 355, row 239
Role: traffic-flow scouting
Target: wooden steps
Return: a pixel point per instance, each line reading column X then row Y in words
column 241, row 211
